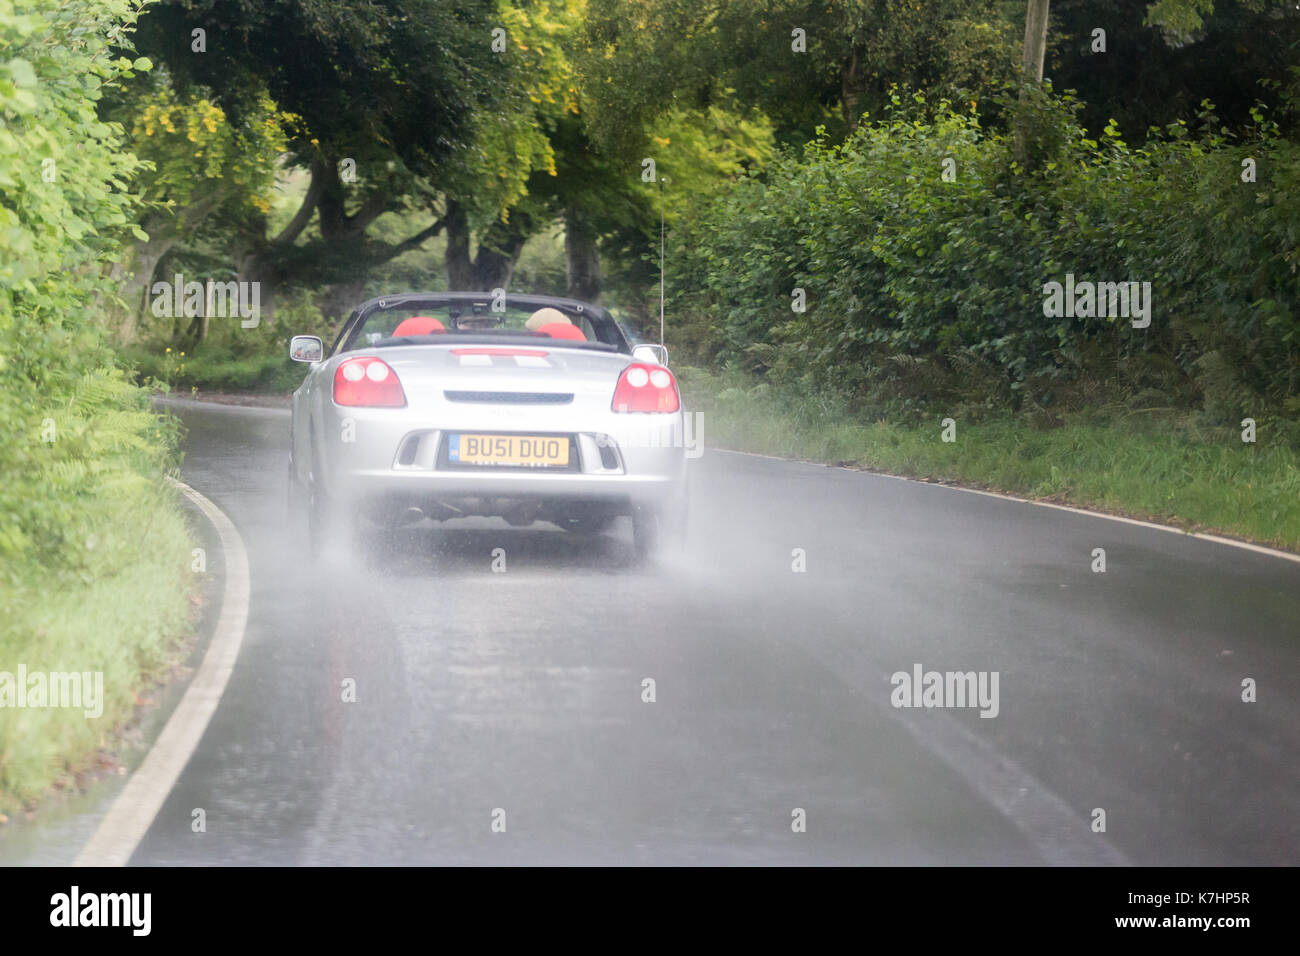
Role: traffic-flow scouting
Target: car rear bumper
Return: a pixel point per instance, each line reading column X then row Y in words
column 369, row 456
column 358, row 485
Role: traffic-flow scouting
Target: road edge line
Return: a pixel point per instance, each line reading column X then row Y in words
column 134, row 810
column 1141, row 523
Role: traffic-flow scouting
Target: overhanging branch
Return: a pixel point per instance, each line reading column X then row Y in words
column 412, row 242
column 303, row 216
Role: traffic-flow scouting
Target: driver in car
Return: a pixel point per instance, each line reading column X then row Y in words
column 546, row 316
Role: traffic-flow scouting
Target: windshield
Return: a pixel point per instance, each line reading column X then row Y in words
column 479, row 320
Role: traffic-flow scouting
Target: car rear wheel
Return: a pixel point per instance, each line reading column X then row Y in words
column 587, row 524
column 330, row 525
column 658, row 528
column 645, row 532
column 296, row 506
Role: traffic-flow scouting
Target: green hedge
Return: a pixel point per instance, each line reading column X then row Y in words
column 927, row 290
column 94, row 551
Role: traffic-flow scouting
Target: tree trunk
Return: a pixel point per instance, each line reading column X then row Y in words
column 581, row 259
column 1035, row 40
column 135, row 290
column 251, row 267
column 1035, row 50
column 498, row 251
column 166, row 231
column 852, row 86
column 460, row 270
column 253, row 264
column 494, row 261
column 340, row 261
column 338, row 300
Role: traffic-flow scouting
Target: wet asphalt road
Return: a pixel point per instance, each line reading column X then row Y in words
column 479, row 691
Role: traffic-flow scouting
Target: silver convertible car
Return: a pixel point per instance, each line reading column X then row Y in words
column 451, row 405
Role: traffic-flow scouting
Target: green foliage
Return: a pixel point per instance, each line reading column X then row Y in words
column 1162, row 59
column 63, row 212
column 397, row 81
column 409, row 92
column 513, row 145
column 923, row 291
column 216, row 368
column 96, row 574
column 1179, row 16
column 194, row 149
column 639, row 61
column 60, row 167
column 82, row 503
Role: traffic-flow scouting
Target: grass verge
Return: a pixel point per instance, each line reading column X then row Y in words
column 216, row 369
column 1164, row 467
column 96, row 578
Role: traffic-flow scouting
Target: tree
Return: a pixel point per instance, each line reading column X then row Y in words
column 805, row 63
column 385, row 97
column 65, row 213
column 502, row 190
column 1035, row 41
column 1031, row 70
column 203, row 170
column 1160, row 66
column 533, row 166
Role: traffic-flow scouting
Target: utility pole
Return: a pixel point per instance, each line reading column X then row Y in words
column 662, row 180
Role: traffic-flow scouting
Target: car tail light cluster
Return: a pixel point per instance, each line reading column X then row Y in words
column 367, row 381
column 646, row 388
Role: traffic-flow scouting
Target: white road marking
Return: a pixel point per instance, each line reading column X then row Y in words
column 1060, row 832
column 132, row 813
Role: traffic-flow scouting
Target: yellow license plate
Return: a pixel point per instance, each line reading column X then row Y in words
column 520, row 450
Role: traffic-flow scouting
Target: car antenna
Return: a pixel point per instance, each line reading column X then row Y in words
column 662, row 180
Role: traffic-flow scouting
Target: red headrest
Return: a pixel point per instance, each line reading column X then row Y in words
column 563, row 330
column 419, row 325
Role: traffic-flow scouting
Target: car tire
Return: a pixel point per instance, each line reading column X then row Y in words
column 292, row 502
column 295, row 501
column 587, row 524
column 656, row 529
column 645, row 533
column 330, row 526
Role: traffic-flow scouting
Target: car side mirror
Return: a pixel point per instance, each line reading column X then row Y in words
column 306, row 348
column 651, row 353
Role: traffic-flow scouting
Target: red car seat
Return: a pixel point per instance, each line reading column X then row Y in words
column 563, row 330
column 419, row 325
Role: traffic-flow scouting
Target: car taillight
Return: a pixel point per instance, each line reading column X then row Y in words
column 367, row 381
column 646, row 388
